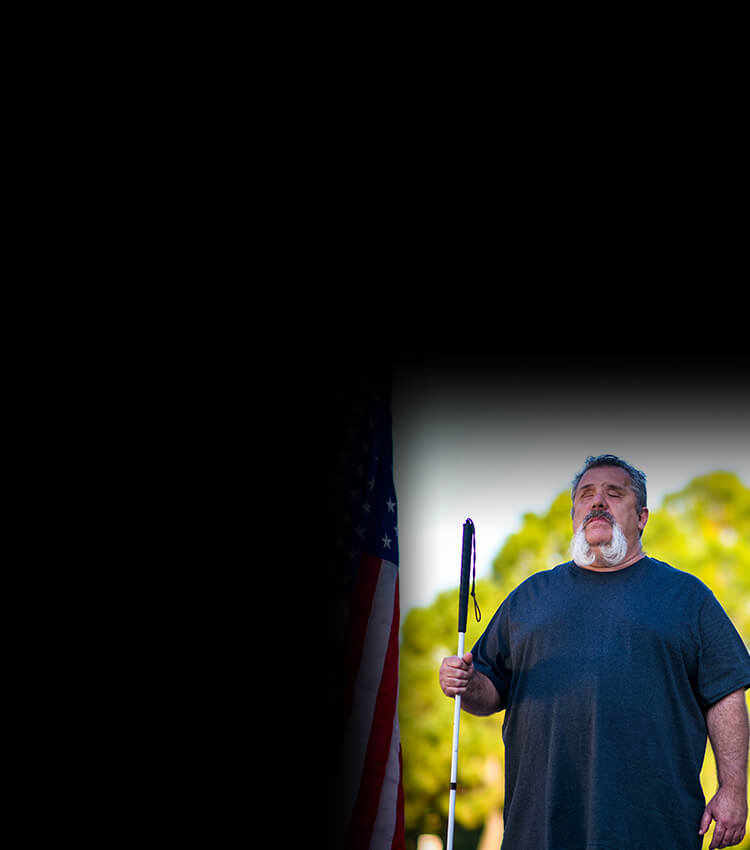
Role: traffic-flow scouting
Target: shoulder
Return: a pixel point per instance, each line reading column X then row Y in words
column 678, row 580
column 539, row 584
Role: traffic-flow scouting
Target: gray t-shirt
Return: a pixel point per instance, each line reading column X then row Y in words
column 605, row 679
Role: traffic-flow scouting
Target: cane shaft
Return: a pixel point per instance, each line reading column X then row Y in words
column 454, row 756
column 463, row 607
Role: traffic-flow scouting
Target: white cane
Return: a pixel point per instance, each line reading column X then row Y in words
column 463, row 605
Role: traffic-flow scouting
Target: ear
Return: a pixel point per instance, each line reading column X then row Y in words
column 642, row 519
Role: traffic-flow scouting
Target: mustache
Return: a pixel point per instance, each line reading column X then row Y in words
column 597, row 515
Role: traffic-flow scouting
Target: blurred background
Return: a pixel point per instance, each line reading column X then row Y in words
column 499, row 439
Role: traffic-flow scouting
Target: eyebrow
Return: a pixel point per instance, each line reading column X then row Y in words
column 610, row 486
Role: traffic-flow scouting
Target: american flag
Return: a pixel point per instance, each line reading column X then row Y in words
column 369, row 811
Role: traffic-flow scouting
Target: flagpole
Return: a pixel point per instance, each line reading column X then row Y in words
column 463, row 605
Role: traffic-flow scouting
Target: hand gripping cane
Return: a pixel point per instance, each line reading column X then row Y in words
column 468, row 544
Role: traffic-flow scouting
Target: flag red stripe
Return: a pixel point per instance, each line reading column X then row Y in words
column 366, row 807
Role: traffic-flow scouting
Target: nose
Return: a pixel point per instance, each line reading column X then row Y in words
column 599, row 500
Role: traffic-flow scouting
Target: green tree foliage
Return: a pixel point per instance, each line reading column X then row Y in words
column 541, row 543
column 703, row 529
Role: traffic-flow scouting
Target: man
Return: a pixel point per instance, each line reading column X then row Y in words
column 612, row 669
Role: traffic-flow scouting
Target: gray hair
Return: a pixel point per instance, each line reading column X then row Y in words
column 637, row 478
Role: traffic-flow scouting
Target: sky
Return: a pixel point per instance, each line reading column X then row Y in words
column 492, row 438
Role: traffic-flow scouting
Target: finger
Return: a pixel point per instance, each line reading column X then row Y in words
column 461, row 677
column 468, row 657
column 448, row 672
column 730, row 838
column 705, row 822
column 736, row 838
column 458, row 672
column 454, row 680
column 718, row 838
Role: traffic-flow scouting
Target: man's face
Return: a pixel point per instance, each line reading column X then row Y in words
column 606, row 489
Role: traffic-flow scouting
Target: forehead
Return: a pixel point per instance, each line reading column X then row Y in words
column 605, row 475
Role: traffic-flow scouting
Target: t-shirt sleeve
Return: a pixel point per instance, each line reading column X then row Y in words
column 491, row 654
column 724, row 662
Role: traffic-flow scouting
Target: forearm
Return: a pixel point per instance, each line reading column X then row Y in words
column 481, row 697
column 727, row 724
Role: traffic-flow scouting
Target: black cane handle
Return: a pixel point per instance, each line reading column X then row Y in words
column 463, row 595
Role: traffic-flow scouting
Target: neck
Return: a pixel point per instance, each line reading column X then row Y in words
column 600, row 566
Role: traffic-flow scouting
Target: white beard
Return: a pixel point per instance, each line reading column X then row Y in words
column 611, row 553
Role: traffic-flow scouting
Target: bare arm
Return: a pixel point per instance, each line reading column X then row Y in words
column 727, row 724
column 458, row 677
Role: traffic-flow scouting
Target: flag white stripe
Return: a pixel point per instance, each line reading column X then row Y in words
column 366, row 688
